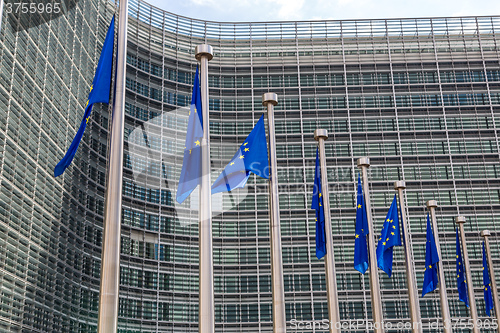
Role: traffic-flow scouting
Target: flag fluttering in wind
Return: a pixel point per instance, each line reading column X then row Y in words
column 488, row 298
column 360, row 246
column 431, row 279
column 191, row 163
column 389, row 236
column 317, row 204
column 461, row 281
column 251, row 157
column 99, row 93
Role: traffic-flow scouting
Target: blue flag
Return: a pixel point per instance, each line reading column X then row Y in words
column 99, row 93
column 251, row 157
column 191, row 163
column 431, row 262
column 360, row 248
column 461, row 281
column 488, row 298
column 389, row 236
column 317, row 204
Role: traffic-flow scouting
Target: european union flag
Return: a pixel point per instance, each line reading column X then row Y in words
column 317, row 204
column 99, row 93
column 191, row 163
column 461, row 281
column 488, row 298
column 251, row 157
column 360, row 247
column 389, row 236
column 431, row 262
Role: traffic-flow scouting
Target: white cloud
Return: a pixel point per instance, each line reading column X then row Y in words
column 272, row 10
column 346, row 2
column 206, row 3
column 289, row 9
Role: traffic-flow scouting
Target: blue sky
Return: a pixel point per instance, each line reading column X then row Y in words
column 292, row 10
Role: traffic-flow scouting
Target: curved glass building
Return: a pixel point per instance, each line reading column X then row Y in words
column 420, row 97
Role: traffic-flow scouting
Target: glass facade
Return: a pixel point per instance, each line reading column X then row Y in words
column 420, row 97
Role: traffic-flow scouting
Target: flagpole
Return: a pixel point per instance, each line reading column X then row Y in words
column 206, row 313
column 496, row 301
column 399, row 186
column 1, row 14
column 110, row 263
column 445, row 310
column 460, row 220
column 279, row 319
column 321, row 135
column 364, row 163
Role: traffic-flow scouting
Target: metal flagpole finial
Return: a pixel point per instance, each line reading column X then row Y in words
column 460, row 219
column 485, row 233
column 320, row 134
column 431, row 204
column 399, row 184
column 363, row 161
column 203, row 50
column 269, row 98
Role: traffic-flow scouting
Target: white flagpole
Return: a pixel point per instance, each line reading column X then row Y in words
column 378, row 318
column 445, row 309
column 1, row 13
column 279, row 318
column 410, row 275
column 321, row 135
column 206, row 312
column 110, row 264
column 460, row 220
column 494, row 290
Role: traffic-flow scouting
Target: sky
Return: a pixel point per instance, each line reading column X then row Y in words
column 306, row 10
